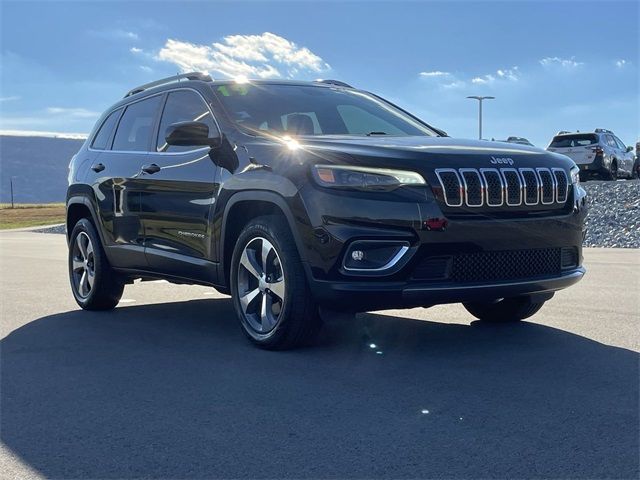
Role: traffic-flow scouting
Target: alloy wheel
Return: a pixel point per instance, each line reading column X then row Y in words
column 261, row 285
column 83, row 265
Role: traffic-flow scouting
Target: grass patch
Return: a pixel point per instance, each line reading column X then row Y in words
column 30, row 214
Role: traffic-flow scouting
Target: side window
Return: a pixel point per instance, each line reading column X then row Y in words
column 611, row 142
column 621, row 145
column 104, row 133
column 361, row 122
column 183, row 106
column 135, row 127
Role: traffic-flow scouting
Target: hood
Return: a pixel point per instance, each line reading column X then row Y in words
column 427, row 153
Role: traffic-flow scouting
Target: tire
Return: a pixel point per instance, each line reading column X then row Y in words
column 612, row 173
column 506, row 310
column 94, row 284
column 269, row 288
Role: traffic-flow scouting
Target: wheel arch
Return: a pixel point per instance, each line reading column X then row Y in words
column 79, row 206
column 243, row 207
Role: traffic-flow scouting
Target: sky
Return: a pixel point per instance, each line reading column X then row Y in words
column 563, row 65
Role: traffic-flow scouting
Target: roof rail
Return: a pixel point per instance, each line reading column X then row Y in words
column 603, row 130
column 337, row 83
column 175, row 78
column 562, row 132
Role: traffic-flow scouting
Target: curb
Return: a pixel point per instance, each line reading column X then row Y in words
column 35, row 228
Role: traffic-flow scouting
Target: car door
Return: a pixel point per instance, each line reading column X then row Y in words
column 176, row 201
column 116, row 172
column 614, row 151
column 626, row 162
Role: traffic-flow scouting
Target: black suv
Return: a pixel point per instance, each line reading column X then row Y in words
column 294, row 195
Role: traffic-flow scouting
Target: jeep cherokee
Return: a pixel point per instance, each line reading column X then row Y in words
column 293, row 195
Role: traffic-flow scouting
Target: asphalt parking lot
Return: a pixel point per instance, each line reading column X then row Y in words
column 166, row 386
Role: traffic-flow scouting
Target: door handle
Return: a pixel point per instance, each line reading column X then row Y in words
column 98, row 167
column 151, row 168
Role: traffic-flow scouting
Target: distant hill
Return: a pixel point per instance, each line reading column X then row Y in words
column 39, row 165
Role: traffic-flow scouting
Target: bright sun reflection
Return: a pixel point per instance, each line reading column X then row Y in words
column 291, row 143
column 241, row 79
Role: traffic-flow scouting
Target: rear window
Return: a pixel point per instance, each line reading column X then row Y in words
column 104, row 134
column 577, row 140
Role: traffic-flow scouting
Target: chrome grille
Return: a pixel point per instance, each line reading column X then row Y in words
column 473, row 187
column 493, row 187
column 562, row 185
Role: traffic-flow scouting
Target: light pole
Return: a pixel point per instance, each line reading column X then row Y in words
column 480, row 99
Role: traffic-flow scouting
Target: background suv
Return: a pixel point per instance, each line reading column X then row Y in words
column 291, row 195
column 599, row 153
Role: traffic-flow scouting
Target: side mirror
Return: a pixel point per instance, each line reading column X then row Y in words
column 629, row 149
column 189, row 134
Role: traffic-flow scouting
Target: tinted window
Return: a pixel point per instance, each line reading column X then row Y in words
column 313, row 110
column 360, row 122
column 183, row 106
column 577, row 140
column 104, row 134
column 611, row 141
column 134, row 129
column 303, row 118
column 621, row 145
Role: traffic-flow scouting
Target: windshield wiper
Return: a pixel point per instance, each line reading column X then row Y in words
column 376, row 133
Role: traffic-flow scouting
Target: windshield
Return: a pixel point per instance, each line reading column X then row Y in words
column 578, row 140
column 313, row 110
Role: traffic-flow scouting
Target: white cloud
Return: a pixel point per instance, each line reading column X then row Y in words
column 451, row 81
column 622, row 63
column 135, row 50
column 263, row 56
column 568, row 63
column 512, row 74
column 117, row 34
column 144, row 68
column 436, row 73
column 12, row 98
column 454, row 84
column 483, row 80
column 73, row 112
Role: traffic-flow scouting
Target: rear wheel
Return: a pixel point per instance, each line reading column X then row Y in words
column 94, row 284
column 504, row 310
column 269, row 288
column 612, row 173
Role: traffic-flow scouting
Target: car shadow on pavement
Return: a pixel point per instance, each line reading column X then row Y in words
column 175, row 391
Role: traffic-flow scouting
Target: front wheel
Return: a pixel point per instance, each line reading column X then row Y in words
column 504, row 310
column 269, row 288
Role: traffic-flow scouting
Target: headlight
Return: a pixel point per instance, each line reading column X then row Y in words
column 575, row 175
column 364, row 178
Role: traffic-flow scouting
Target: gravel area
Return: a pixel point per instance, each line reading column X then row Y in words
column 614, row 214
column 54, row 229
column 613, row 221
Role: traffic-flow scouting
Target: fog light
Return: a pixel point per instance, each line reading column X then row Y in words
column 374, row 255
column 357, row 255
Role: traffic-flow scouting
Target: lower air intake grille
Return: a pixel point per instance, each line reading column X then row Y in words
column 505, row 265
column 496, row 266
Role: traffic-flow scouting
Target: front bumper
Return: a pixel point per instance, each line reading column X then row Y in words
column 336, row 221
column 363, row 296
